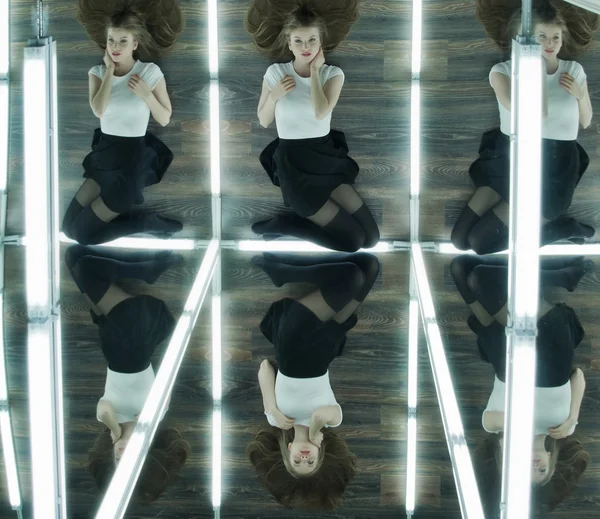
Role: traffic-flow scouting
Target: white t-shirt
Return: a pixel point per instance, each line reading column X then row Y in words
column 562, row 123
column 294, row 113
column 552, row 406
column 126, row 114
column 127, row 392
column 298, row 398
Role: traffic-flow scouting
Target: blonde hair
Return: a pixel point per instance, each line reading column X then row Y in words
column 502, row 19
column 271, row 22
column 155, row 24
column 320, row 489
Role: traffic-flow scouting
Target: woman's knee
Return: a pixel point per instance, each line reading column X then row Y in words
column 354, row 278
column 369, row 264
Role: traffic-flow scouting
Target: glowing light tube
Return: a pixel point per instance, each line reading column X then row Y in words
column 4, row 38
column 464, row 475
column 298, row 246
column 123, row 482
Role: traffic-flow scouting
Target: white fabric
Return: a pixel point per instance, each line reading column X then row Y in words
column 294, row 113
column 126, row 114
column 552, row 406
column 562, row 123
column 298, row 398
column 127, row 392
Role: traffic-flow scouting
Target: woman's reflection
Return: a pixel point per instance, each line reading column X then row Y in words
column 559, row 387
column 300, row 460
column 123, row 92
column 482, row 225
column 130, row 329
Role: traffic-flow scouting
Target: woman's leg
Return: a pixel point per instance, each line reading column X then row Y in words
column 480, row 203
column 347, row 198
column 91, row 220
column 88, row 192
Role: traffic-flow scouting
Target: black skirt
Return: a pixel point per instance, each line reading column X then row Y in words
column 131, row 331
column 304, row 345
column 559, row 333
column 124, row 166
column 563, row 165
column 308, row 170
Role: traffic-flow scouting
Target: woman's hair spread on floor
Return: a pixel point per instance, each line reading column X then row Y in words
column 502, row 21
column 568, row 462
column 321, row 489
column 155, row 24
column 166, row 458
column 270, row 23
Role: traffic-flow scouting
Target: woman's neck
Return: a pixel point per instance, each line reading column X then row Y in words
column 124, row 68
column 300, row 432
column 551, row 66
column 302, row 72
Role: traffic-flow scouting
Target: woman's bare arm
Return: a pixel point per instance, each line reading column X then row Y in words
column 160, row 104
column 266, row 380
column 577, row 381
column 266, row 106
column 100, row 92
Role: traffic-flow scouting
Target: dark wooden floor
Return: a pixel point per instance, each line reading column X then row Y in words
column 370, row 379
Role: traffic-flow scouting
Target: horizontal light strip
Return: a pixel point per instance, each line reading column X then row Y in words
column 123, row 482
column 464, row 475
column 139, row 243
column 298, row 246
column 557, row 249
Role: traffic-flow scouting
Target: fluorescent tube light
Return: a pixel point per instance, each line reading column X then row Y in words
column 139, row 243
column 216, row 458
column 10, row 462
column 4, row 114
column 411, row 464
column 413, row 353
column 36, row 151
column 298, row 246
column 4, row 37
column 123, row 482
column 216, row 348
column 415, row 139
column 418, row 265
column 213, row 39
column 215, row 139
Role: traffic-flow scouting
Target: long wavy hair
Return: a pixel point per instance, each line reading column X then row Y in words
column 321, row 489
column 166, row 457
column 270, row 23
column 502, row 20
column 568, row 462
column 155, row 24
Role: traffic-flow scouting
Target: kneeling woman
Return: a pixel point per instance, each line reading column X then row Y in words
column 309, row 161
column 300, row 460
column 130, row 329
column 559, row 387
column 123, row 92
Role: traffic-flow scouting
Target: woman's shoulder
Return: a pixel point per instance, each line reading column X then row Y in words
column 503, row 67
column 148, row 66
column 97, row 70
column 572, row 67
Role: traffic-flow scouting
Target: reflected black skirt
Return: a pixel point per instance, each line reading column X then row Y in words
column 124, row 166
column 304, row 345
column 131, row 331
column 308, row 170
column 559, row 333
column 563, row 165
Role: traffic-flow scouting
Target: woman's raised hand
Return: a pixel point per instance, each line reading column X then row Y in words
column 284, row 87
column 318, row 61
column 108, row 61
column 139, row 87
column 562, row 431
column 116, row 435
column 316, row 441
column 283, row 421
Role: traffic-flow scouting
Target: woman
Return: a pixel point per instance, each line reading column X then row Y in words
column 123, row 92
column 130, row 329
column 482, row 225
column 300, row 460
column 308, row 160
column 559, row 388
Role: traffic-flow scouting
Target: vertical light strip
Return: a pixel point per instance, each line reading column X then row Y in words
column 216, row 345
column 464, row 475
column 213, row 39
column 523, row 271
column 215, row 140
column 4, row 38
column 44, row 369
column 413, row 366
column 216, row 459
column 118, row 494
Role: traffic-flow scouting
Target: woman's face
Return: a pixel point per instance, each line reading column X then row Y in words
column 305, row 43
column 303, row 456
column 120, row 44
column 550, row 38
column 540, row 465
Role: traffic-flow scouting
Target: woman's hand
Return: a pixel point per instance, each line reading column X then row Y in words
column 283, row 421
column 562, row 431
column 115, row 435
column 316, row 441
column 139, row 87
column 284, row 87
column 318, row 61
column 108, row 61
column 570, row 85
